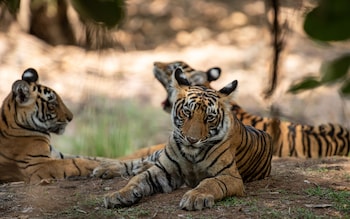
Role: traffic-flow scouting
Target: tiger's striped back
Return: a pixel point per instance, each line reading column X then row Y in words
column 290, row 139
column 297, row 140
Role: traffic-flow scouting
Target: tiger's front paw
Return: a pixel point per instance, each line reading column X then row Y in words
column 121, row 199
column 112, row 200
column 194, row 200
column 109, row 169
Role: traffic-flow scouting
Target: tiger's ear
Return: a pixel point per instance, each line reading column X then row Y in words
column 180, row 77
column 228, row 89
column 30, row 75
column 21, row 91
column 213, row 73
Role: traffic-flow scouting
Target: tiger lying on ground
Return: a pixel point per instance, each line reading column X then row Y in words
column 28, row 115
column 201, row 151
column 291, row 139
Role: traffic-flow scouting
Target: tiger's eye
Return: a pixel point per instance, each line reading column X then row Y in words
column 211, row 118
column 51, row 105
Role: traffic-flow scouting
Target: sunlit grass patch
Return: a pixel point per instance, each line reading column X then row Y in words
column 340, row 199
column 113, row 127
column 236, row 201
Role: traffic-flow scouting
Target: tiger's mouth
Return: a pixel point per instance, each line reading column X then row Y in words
column 59, row 129
column 160, row 76
column 166, row 105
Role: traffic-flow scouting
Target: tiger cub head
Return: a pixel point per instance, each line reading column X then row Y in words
column 163, row 71
column 37, row 107
column 200, row 115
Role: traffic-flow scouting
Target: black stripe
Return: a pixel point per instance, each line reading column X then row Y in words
column 18, row 161
column 339, row 136
column 347, row 145
column 127, row 168
column 75, row 164
column 307, row 136
column 226, row 167
column 256, row 120
column 155, row 187
column 173, row 161
column 222, row 186
column 36, row 156
column 218, row 156
column 334, row 144
column 167, row 174
column 33, row 165
column 207, row 149
column 291, row 140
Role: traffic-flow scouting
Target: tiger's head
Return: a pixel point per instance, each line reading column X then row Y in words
column 200, row 115
column 163, row 71
column 35, row 107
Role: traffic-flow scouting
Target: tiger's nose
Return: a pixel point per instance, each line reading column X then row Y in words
column 69, row 116
column 192, row 140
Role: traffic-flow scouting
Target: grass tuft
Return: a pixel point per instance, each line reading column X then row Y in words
column 113, row 128
column 340, row 199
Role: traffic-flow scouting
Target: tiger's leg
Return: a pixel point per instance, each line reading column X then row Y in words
column 116, row 168
column 210, row 190
column 151, row 181
column 59, row 169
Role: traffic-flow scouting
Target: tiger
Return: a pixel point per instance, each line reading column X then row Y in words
column 163, row 71
column 290, row 139
column 202, row 151
column 29, row 114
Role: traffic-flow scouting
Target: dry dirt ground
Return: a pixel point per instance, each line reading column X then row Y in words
column 297, row 188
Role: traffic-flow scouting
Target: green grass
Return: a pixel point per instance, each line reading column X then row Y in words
column 236, row 201
column 134, row 212
column 347, row 177
column 112, row 128
column 339, row 199
column 304, row 213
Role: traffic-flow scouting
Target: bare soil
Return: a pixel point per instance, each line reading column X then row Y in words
column 297, row 188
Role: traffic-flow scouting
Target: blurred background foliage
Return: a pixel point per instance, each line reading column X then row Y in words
column 113, row 128
column 55, row 22
column 329, row 22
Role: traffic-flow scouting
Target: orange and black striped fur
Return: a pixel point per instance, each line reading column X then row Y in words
column 28, row 115
column 163, row 72
column 201, row 151
column 290, row 139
